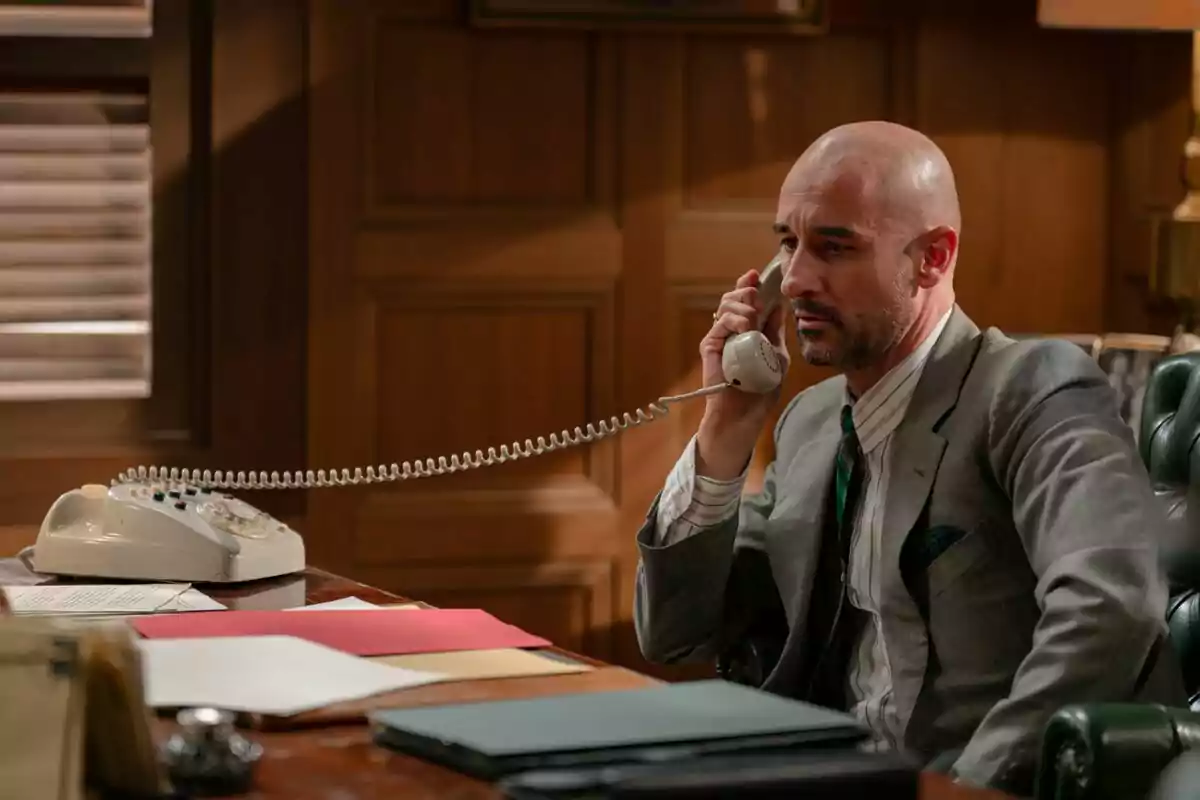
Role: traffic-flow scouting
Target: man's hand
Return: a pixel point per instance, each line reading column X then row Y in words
column 734, row 418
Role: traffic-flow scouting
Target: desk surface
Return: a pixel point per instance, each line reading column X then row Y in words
column 340, row 761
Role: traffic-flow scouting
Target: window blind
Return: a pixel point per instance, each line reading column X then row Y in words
column 75, row 235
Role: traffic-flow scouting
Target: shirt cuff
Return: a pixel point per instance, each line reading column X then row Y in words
column 690, row 502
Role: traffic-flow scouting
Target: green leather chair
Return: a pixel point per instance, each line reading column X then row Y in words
column 1111, row 751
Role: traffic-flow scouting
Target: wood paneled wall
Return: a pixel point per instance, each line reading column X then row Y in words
column 516, row 232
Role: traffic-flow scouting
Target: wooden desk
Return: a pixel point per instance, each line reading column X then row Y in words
column 340, row 761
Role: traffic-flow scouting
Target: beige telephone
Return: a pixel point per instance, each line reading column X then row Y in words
column 749, row 362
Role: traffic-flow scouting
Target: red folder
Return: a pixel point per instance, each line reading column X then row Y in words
column 383, row 632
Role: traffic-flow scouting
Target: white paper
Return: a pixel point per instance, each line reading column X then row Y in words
column 343, row 604
column 192, row 600
column 278, row 675
column 87, row 599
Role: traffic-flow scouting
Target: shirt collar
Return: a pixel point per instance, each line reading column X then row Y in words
column 881, row 408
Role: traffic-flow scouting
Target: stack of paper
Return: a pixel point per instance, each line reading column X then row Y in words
column 102, row 600
column 275, row 664
column 463, row 665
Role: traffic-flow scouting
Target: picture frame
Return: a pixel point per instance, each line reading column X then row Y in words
column 795, row 17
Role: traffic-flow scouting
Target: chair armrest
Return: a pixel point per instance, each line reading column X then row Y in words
column 1111, row 751
column 750, row 659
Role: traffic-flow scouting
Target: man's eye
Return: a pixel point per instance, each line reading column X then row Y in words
column 832, row 248
column 788, row 245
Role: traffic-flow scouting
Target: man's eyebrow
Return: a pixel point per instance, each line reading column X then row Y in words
column 830, row 231
column 836, row 232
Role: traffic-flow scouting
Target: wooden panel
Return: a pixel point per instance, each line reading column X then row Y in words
column 460, row 118
column 1026, row 129
column 258, row 282
column 1120, row 14
column 508, row 246
column 751, row 105
column 475, row 377
column 718, row 246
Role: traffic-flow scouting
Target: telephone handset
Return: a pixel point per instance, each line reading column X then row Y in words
column 749, row 362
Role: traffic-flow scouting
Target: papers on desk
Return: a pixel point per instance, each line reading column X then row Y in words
column 261, row 671
column 78, row 600
column 341, row 604
column 277, row 675
column 478, row 665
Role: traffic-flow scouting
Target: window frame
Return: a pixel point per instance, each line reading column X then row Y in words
column 174, row 63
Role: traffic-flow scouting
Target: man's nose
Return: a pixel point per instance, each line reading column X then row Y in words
column 800, row 278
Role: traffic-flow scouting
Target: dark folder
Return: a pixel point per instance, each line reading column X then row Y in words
column 682, row 720
column 812, row 774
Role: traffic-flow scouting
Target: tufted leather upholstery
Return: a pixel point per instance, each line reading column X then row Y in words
column 1170, row 428
column 1170, row 446
column 1112, row 751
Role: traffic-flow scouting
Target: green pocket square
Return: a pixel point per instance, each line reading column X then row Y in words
column 936, row 541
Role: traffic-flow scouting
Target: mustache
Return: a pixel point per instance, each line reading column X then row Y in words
column 814, row 309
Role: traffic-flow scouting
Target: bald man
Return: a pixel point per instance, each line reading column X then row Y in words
column 956, row 536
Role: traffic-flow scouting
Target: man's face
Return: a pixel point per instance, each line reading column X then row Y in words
column 850, row 281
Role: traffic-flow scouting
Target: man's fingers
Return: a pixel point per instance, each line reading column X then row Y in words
column 728, row 324
column 738, row 309
column 747, row 295
column 738, row 312
column 725, row 326
column 748, row 278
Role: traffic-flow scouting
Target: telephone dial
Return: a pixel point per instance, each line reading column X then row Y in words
column 168, row 524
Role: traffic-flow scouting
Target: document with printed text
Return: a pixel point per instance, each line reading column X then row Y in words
column 99, row 599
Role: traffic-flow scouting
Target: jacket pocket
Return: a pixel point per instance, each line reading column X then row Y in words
column 955, row 560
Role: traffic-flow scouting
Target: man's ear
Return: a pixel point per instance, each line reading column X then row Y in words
column 936, row 255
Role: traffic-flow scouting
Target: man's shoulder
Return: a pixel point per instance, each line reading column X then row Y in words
column 1013, row 374
column 811, row 407
column 1032, row 361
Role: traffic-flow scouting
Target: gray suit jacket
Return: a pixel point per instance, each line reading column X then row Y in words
column 1020, row 563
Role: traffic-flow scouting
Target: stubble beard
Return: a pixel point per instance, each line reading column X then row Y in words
column 845, row 349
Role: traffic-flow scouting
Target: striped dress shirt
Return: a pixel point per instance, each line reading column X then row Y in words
column 690, row 502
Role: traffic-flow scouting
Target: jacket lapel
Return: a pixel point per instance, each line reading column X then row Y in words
column 914, row 457
column 917, row 446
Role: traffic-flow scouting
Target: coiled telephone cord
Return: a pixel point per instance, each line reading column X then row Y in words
column 308, row 479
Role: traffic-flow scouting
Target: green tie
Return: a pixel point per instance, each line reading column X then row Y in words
column 849, row 473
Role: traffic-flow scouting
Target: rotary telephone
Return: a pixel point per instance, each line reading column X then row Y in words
column 171, row 524
column 749, row 362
